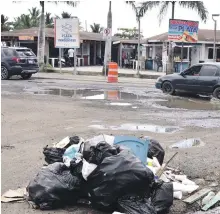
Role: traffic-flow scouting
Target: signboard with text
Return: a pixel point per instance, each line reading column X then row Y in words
column 26, row 38
column 183, row 31
column 66, row 33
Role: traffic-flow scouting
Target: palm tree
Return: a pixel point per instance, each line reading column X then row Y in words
column 49, row 22
column 5, row 24
column 198, row 6
column 96, row 28
column 23, row 22
column 35, row 15
column 41, row 33
column 66, row 15
column 139, row 12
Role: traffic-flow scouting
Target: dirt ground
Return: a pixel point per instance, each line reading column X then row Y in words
column 32, row 118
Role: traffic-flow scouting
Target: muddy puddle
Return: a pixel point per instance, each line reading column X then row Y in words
column 152, row 98
column 87, row 94
column 199, row 103
column 138, row 127
column 188, row 143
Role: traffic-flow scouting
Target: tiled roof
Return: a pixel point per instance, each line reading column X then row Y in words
column 49, row 32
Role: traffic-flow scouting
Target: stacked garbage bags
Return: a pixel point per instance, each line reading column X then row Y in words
column 109, row 177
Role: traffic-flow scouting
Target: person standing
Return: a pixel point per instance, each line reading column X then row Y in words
column 71, row 56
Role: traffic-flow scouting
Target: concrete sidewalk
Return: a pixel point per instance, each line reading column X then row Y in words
column 95, row 79
column 97, row 71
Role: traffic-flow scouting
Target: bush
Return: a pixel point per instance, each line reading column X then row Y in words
column 46, row 68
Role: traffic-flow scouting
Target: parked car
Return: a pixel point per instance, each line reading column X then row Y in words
column 18, row 61
column 203, row 78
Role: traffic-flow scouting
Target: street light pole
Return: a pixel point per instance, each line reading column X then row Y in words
column 214, row 44
column 139, row 41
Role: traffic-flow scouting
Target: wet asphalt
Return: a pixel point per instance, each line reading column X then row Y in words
column 40, row 111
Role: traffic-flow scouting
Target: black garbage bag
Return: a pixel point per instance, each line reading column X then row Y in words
column 53, row 155
column 96, row 154
column 156, row 150
column 54, row 187
column 134, row 204
column 116, row 176
column 74, row 140
column 162, row 196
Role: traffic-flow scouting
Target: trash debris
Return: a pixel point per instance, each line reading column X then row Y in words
column 212, row 202
column 87, row 169
column 14, row 195
column 117, row 176
column 133, row 204
column 206, row 199
column 112, row 173
column 160, row 172
column 68, row 141
column 178, row 195
column 162, row 197
column 138, row 146
column 197, row 195
column 71, row 151
column 53, row 155
column 156, row 150
column 187, row 189
column 97, row 153
column 53, row 187
column 63, row 143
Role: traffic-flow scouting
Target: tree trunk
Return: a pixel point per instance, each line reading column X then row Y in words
column 41, row 36
column 173, row 9
column 139, row 38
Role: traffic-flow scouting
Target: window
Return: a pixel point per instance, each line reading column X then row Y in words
column 210, row 53
column 208, row 70
column 25, row 52
column 8, row 52
column 193, row 71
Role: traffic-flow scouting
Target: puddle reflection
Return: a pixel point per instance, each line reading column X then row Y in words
column 138, row 127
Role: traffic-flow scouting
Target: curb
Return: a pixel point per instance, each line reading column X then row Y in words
column 92, row 73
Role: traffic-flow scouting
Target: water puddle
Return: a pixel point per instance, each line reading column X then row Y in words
column 86, row 94
column 138, row 127
column 120, row 104
column 201, row 103
column 188, row 143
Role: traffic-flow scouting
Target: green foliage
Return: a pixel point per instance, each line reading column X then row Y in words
column 96, row 28
column 5, row 24
column 128, row 33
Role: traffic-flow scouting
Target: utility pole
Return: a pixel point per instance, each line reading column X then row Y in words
column 214, row 44
column 108, row 42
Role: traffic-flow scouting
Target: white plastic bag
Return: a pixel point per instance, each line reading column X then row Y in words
column 97, row 139
column 178, row 195
column 87, row 169
column 184, row 188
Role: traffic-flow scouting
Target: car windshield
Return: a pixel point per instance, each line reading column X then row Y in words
column 25, row 52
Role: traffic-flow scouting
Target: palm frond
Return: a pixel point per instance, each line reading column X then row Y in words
column 198, row 6
column 163, row 10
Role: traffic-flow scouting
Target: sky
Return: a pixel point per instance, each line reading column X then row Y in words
column 95, row 11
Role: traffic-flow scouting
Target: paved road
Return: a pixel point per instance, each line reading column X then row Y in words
column 45, row 109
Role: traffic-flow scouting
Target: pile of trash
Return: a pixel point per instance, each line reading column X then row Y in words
column 113, row 174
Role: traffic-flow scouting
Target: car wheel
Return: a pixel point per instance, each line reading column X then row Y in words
column 4, row 73
column 26, row 76
column 168, row 88
column 216, row 93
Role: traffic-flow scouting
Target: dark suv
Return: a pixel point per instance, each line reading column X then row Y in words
column 18, row 61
